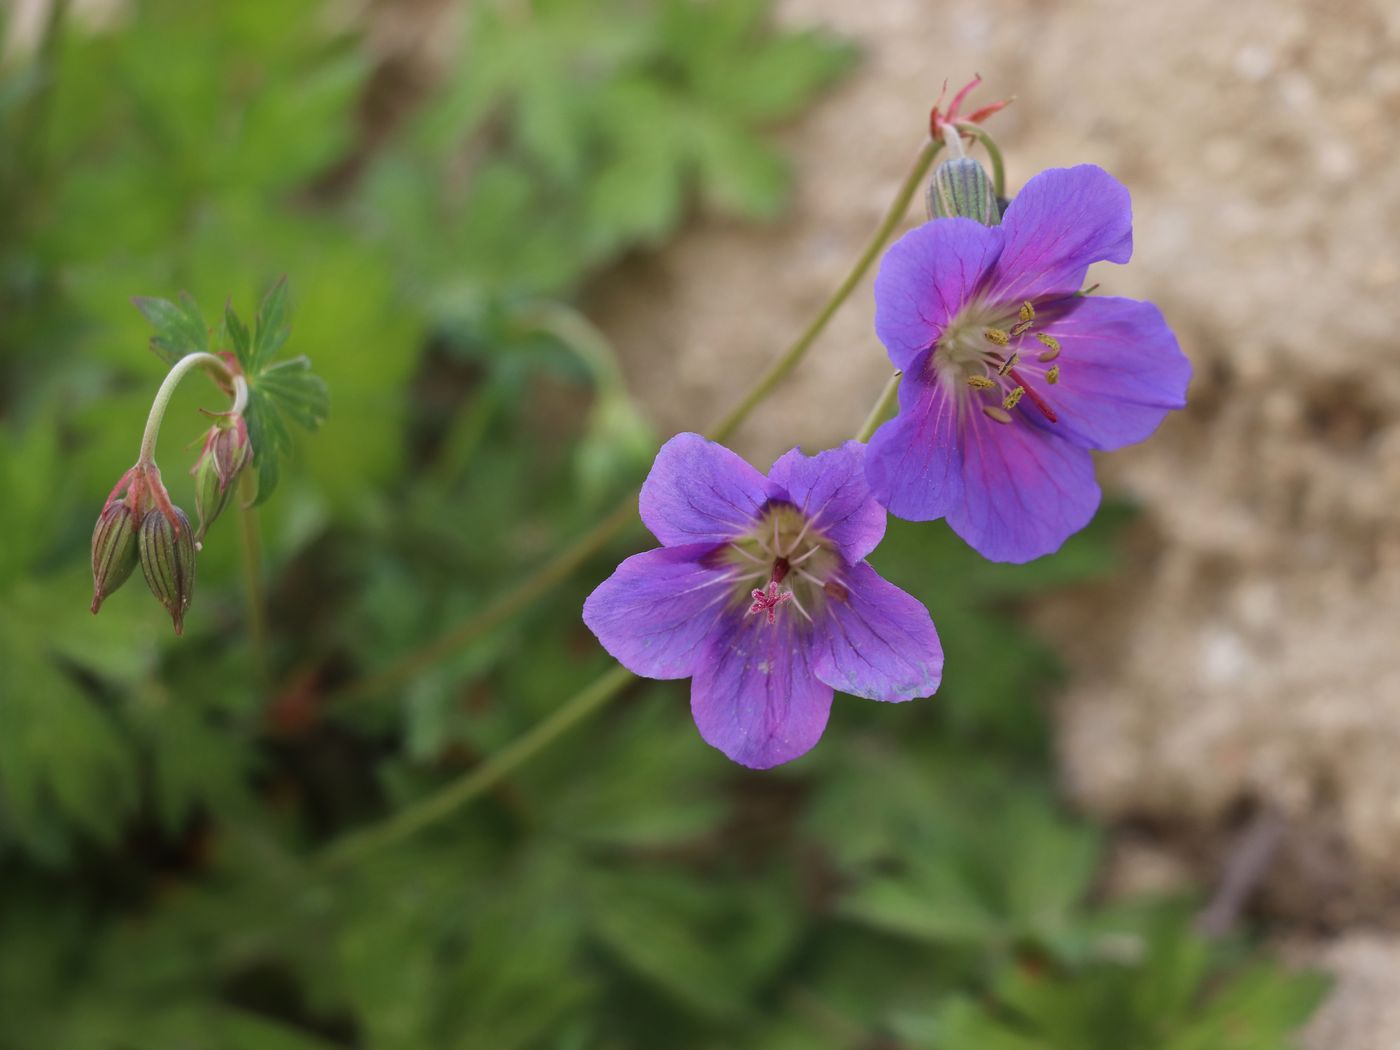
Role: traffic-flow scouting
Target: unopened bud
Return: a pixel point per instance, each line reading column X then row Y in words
column 960, row 187
column 167, row 561
column 114, row 553
column 225, row 453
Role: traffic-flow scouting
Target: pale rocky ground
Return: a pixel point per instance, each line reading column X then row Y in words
column 1250, row 655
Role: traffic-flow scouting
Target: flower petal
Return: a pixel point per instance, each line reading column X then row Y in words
column 831, row 490
column 754, row 696
column 925, row 278
column 700, row 492
column 913, row 464
column 877, row 641
column 655, row 612
column 1061, row 222
column 1025, row 490
column 1121, row 372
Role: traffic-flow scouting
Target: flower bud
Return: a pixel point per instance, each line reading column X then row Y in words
column 114, row 553
column 225, row 453
column 167, row 561
column 960, row 187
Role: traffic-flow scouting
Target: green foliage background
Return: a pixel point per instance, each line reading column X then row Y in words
column 912, row 883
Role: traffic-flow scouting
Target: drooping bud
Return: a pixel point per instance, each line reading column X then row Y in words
column 225, row 453
column 114, row 549
column 167, row 561
column 961, row 187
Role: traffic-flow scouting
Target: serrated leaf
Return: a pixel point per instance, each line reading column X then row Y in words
column 272, row 327
column 295, row 391
column 239, row 337
column 180, row 327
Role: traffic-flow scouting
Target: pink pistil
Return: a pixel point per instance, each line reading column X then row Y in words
column 768, row 601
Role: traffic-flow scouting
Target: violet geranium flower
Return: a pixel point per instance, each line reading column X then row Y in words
column 1010, row 377
column 761, row 594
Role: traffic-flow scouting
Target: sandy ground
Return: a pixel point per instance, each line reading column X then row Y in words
column 1248, row 660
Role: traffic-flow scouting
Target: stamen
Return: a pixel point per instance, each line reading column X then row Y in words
column 798, row 606
column 1027, row 312
column 1022, row 328
column 752, row 557
column 1053, row 376
column 994, row 412
column 799, row 561
column 996, row 335
column 1036, row 399
column 1008, row 364
column 1053, row 345
column 1013, row 399
column 806, row 524
column 980, row 383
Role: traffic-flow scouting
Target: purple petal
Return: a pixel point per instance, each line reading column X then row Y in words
column 754, row 696
column 1025, row 490
column 654, row 613
column 877, row 641
column 1121, row 372
column 700, row 492
column 830, row 488
column 913, row 464
column 1061, row 222
column 925, row 278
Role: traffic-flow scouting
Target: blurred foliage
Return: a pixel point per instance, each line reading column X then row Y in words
column 912, row 883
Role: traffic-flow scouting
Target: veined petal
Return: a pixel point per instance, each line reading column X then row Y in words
column 877, row 641
column 1025, row 490
column 924, row 280
column 913, row 464
column 754, row 696
column 700, row 492
column 1121, row 372
column 654, row 613
column 1062, row 221
column 831, row 490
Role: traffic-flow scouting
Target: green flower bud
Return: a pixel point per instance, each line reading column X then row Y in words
column 167, row 561
column 114, row 553
column 960, row 187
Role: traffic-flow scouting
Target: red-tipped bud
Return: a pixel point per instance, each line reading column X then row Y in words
column 225, row 453
column 167, row 561
column 114, row 550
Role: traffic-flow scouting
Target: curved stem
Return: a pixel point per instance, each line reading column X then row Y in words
column 457, row 794
column 178, row 371
column 563, row 563
column 993, row 154
column 878, row 410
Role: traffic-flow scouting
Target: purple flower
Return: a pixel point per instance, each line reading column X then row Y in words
column 761, row 594
column 1010, row 378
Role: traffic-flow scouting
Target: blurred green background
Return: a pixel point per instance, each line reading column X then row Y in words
column 164, row 803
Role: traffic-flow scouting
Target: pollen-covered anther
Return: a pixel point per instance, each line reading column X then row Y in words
column 996, row 413
column 1021, row 329
column 768, row 601
column 1052, row 347
column 1009, row 364
column 980, row 383
column 997, row 336
column 1052, row 376
column 1027, row 312
column 1013, row 398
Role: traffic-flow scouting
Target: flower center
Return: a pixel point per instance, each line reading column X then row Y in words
column 783, row 562
column 1000, row 360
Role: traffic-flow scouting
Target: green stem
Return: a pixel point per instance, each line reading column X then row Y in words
column 880, row 408
column 993, row 154
column 454, row 796
column 785, row 364
column 564, row 563
column 254, row 593
column 182, row 368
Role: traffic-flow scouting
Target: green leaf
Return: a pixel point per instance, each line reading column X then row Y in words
column 180, row 327
column 272, row 327
column 238, row 335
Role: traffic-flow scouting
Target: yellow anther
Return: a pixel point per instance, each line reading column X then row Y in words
column 1008, row 364
column 1027, row 312
column 996, row 335
column 1053, row 376
column 1022, row 328
column 1052, row 345
column 980, row 383
column 992, row 412
column 1009, row 402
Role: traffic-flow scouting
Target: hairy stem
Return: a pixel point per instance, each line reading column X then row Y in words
column 254, row 593
column 879, row 409
column 564, row 563
column 178, row 371
column 454, row 796
column 993, row 154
